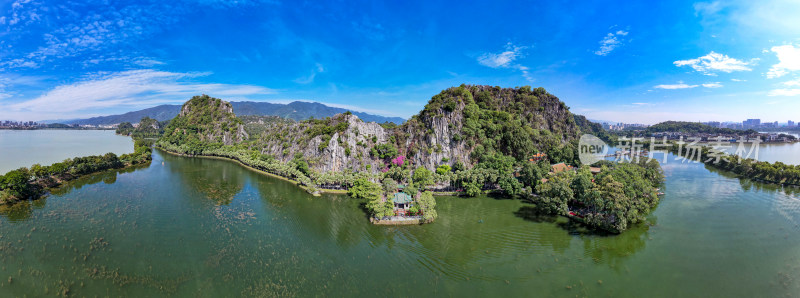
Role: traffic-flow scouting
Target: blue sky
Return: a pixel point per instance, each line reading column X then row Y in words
column 609, row 60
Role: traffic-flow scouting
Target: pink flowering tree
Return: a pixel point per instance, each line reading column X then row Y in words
column 399, row 160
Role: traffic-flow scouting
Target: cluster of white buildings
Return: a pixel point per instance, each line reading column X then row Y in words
column 623, row 126
column 19, row 124
column 751, row 124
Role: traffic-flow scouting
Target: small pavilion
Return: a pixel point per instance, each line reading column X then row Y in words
column 402, row 201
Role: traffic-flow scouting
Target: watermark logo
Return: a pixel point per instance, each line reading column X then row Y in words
column 591, row 149
column 692, row 150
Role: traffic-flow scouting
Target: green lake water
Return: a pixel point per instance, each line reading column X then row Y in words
column 23, row 148
column 195, row 227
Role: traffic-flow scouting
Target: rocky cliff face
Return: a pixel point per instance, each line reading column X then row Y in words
column 429, row 142
column 148, row 123
column 345, row 148
column 450, row 128
column 437, row 135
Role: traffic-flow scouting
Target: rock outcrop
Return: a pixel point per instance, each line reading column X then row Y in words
column 347, row 148
column 208, row 120
column 434, row 137
column 437, row 134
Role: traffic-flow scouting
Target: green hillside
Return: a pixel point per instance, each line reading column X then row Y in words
column 204, row 122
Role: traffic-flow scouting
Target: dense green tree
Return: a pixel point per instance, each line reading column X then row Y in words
column 301, row 164
column 532, row 173
column 363, row 189
column 510, row 185
column 16, row 183
column 125, row 128
column 554, row 194
column 411, row 189
column 472, row 189
column 459, row 166
column 377, row 207
column 694, row 127
column 39, row 171
column 517, row 140
column 443, row 169
column 372, row 193
column 384, row 151
column 427, row 203
column 422, row 177
column 389, row 186
column 582, row 184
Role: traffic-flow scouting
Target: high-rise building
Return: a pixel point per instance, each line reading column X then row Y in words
column 750, row 123
column 790, row 123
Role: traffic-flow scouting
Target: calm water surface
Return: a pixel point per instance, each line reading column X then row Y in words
column 23, row 148
column 194, row 227
column 786, row 153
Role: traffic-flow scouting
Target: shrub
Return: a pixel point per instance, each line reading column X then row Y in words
column 443, row 169
column 472, row 189
column 423, row 177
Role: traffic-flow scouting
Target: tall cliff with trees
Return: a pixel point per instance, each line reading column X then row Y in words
column 204, row 122
column 481, row 124
column 468, row 139
column 481, row 135
column 460, row 127
column 146, row 128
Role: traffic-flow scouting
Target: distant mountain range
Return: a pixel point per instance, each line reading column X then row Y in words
column 298, row 110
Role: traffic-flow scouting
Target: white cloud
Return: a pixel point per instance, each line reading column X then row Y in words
column 310, row 78
column 51, row 30
column 712, row 85
column 790, row 89
column 784, row 92
column 129, row 60
column 610, row 42
column 679, row 85
column 502, row 59
column 792, row 83
column 525, row 73
column 738, row 80
column 505, row 59
column 773, row 17
column 747, row 17
column 92, row 29
column 22, row 12
column 127, row 88
column 713, row 62
column 789, row 60
column 707, row 8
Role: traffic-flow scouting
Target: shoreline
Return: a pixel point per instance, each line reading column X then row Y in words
column 290, row 180
column 755, row 179
column 249, row 167
column 719, row 166
column 47, row 190
column 318, row 193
